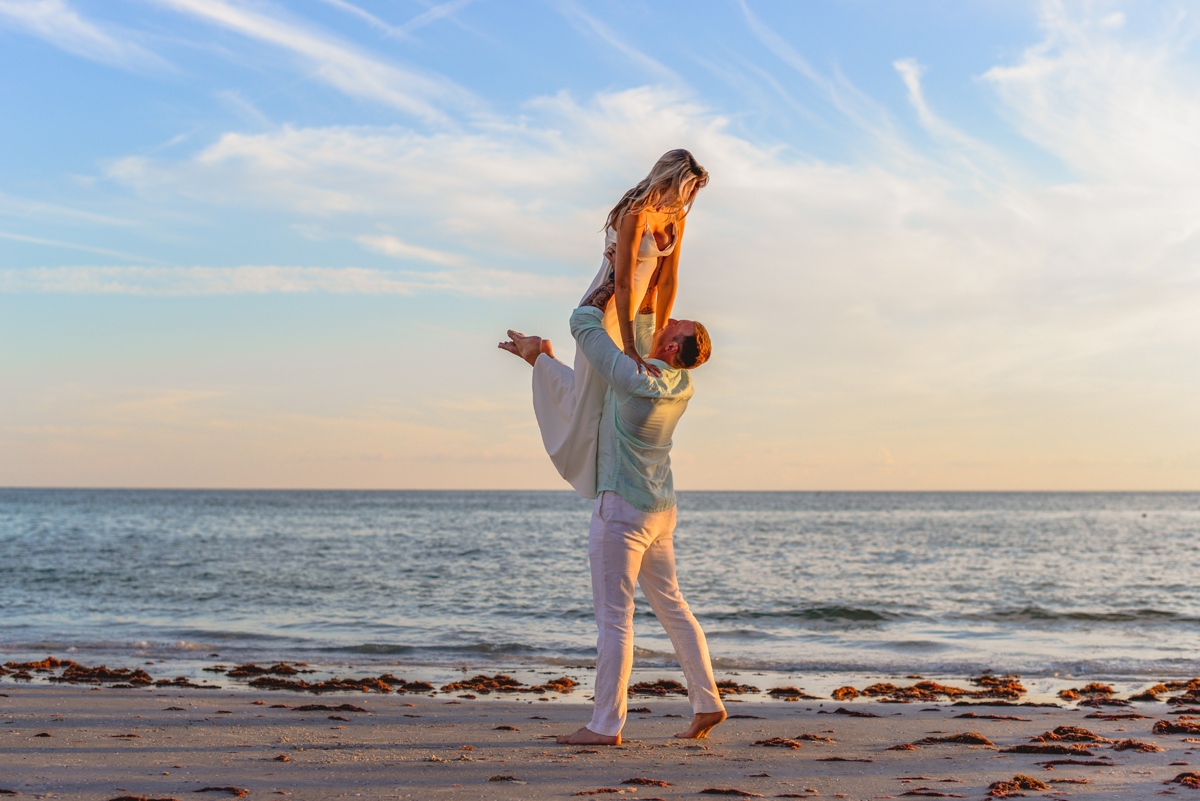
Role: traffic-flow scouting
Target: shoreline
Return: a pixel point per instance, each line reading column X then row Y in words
column 423, row 741
column 91, row 744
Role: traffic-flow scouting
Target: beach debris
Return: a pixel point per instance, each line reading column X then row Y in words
column 779, row 742
column 643, row 782
column 1002, row 687
column 843, row 759
column 816, row 738
column 8, row 792
column 1070, row 734
column 1136, row 745
column 600, row 791
column 505, row 728
column 278, row 669
column 991, row 717
column 737, row 717
column 43, row 734
column 1093, row 763
column 854, row 713
column 1065, row 750
column 339, row 717
column 281, row 758
column 1116, row 716
column 505, row 778
column 641, row 710
column 500, row 683
column 330, row 685
column 1188, row 779
column 1178, row 726
column 1005, row 703
column 729, row 791
column 1070, row 781
column 929, row 792
column 326, row 708
column 731, row 687
column 966, row 738
column 791, row 693
column 903, row 747
column 660, row 687
column 45, row 666
column 140, row 798
column 1095, row 688
column 125, row 736
column 1013, row 786
column 237, row 792
column 184, row 682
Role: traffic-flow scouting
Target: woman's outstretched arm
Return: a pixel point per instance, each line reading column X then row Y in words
column 668, row 270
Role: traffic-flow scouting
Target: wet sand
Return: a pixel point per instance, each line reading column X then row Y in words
column 78, row 742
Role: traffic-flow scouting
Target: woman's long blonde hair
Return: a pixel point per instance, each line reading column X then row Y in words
column 677, row 174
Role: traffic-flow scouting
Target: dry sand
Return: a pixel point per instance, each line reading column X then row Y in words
column 109, row 743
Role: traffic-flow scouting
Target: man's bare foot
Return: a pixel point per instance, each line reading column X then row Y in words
column 702, row 724
column 586, row 736
column 528, row 348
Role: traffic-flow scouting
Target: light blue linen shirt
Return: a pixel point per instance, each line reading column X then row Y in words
column 640, row 413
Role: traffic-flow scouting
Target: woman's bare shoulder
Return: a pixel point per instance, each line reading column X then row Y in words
column 636, row 219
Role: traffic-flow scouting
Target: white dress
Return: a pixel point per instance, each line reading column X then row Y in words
column 568, row 403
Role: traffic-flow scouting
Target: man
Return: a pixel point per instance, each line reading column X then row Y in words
column 634, row 517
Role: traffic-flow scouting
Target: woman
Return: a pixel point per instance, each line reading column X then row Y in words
column 642, row 235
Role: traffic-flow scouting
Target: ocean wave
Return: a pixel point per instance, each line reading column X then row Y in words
column 833, row 614
column 1040, row 614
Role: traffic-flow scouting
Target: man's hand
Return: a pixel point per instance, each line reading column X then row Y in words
column 602, row 294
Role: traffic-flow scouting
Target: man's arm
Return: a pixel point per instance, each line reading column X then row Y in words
column 587, row 326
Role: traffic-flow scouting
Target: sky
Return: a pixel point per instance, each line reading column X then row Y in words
column 258, row 244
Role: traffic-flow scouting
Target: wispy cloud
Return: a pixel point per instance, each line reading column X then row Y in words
column 11, row 206
column 980, row 159
column 33, row 240
column 362, row 14
column 341, row 65
column 869, row 115
column 434, row 13
column 594, row 27
column 391, row 246
column 58, row 23
column 258, row 280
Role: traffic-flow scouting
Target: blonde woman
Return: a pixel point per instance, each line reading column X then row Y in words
column 642, row 240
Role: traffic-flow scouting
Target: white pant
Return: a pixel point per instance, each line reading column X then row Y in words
column 627, row 545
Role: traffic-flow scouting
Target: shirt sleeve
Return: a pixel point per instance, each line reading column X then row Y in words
column 617, row 369
column 643, row 333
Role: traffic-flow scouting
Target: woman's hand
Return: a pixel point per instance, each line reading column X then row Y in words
column 642, row 364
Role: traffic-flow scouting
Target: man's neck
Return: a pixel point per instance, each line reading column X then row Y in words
column 664, row 359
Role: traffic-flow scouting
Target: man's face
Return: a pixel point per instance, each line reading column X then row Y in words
column 674, row 332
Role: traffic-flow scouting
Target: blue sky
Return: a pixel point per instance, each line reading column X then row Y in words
column 261, row 244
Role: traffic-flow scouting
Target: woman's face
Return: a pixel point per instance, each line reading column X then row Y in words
column 671, row 201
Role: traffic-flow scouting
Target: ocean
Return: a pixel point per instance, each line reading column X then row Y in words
column 828, row 584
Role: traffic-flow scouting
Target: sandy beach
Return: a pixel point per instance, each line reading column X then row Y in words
column 105, row 743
